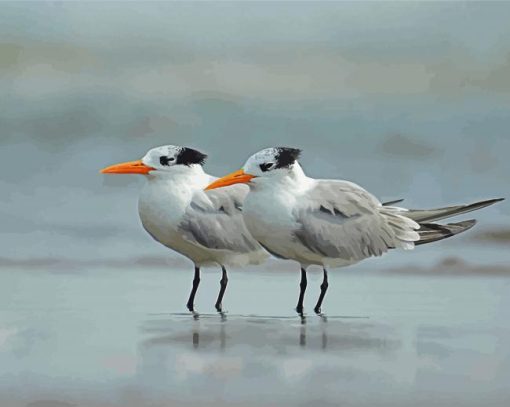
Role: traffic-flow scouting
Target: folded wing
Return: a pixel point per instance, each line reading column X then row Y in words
column 214, row 220
column 339, row 219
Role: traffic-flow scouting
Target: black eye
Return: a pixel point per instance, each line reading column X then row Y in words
column 164, row 160
column 266, row 166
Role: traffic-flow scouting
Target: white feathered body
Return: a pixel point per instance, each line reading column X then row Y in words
column 324, row 222
column 207, row 227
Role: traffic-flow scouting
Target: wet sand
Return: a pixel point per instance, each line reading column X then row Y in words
column 113, row 338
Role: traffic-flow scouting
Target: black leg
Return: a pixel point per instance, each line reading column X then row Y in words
column 302, row 287
column 223, row 287
column 194, row 288
column 324, row 288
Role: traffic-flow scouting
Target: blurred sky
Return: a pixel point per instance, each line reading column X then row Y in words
column 410, row 100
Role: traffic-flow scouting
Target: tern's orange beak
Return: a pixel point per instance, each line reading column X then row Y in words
column 238, row 177
column 131, row 167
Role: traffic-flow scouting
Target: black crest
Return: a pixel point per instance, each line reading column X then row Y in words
column 188, row 156
column 286, row 156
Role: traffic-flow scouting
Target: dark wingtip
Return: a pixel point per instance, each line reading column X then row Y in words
column 492, row 201
column 484, row 204
column 445, row 230
column 466, row 224
column 389, row 203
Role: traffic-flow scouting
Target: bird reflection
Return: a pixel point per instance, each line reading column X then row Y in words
column 223, row 336
column 196, row 339
column 302, row 335
column 257, row 330
column 195, row 333
column 233, row 333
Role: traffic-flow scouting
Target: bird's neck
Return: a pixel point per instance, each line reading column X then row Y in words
column 170, row 192
column 296, row 179
column 297, row 174
column 293, row 180
column 192, row 176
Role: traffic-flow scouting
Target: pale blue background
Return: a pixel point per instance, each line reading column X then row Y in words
column 410, row 100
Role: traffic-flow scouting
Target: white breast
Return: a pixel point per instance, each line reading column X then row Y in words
column 177, row 212
column 161, row 206
column 269, row 217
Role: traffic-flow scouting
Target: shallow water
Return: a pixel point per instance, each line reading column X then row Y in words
column 111, row 338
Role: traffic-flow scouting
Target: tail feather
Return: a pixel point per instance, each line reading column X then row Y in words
column 432, row 232
column 427, row 215
column 390, row 203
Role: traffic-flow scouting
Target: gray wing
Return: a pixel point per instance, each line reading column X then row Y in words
column 214, row 220
column 339, row 219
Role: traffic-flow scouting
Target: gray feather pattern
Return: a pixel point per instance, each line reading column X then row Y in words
column 214, row 220
column 341, row 220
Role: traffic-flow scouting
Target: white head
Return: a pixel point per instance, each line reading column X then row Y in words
column 270, row 163
column 159, row 161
